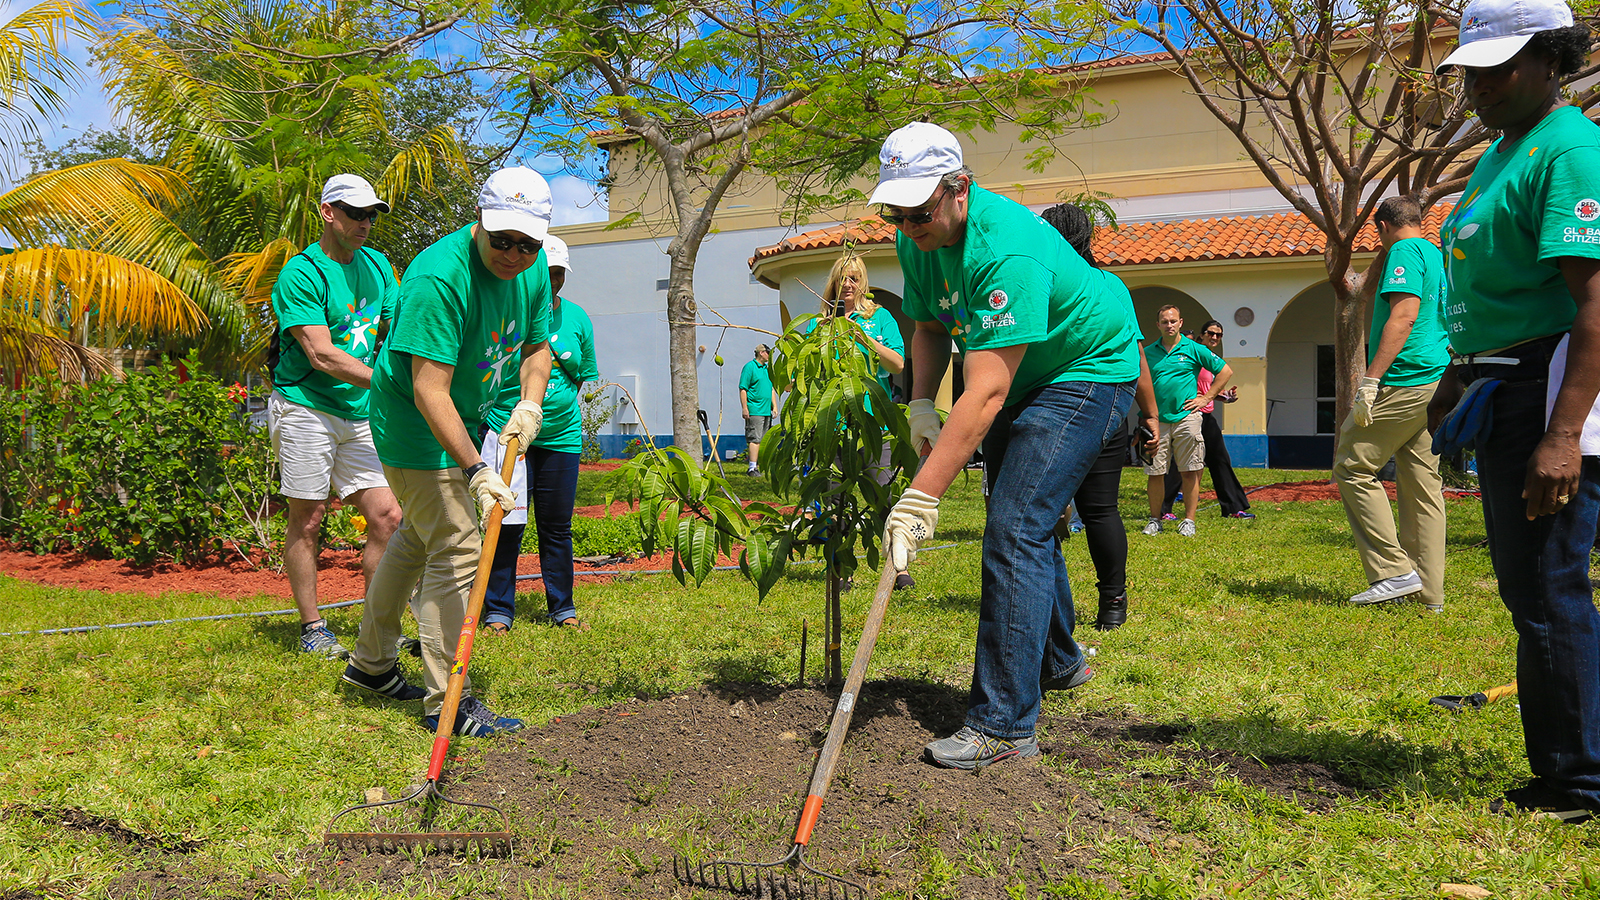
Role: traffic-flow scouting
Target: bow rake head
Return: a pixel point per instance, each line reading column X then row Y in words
column 790, row 878
column 430, row 799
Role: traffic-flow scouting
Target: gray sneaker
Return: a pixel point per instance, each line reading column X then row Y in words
column 1390, row 589
column 1152, row 527
column 319, row 640
column 1186, row 528
column 972, row 749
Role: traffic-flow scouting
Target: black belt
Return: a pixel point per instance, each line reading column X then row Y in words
column 1526, row 362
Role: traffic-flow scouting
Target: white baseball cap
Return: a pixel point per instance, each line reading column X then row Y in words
column 1492, row 31
column 555, row 253
column 912, row 161
column 516, row 199
column 352, row 190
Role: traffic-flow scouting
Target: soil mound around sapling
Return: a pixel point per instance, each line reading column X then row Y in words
column 603, row 799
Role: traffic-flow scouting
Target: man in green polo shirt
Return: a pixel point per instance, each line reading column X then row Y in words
column 1407, row 353
column 1050, row 356
column 755, row 395
column 332, row 301
column 474, row 311
column 1175, row 364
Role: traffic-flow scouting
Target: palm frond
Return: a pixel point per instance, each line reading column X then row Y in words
column 33, row 350
column 81, row 291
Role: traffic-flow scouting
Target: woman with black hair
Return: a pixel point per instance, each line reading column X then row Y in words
column 1096, row 500
column 1522, row 310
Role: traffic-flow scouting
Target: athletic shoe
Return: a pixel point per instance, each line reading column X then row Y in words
column 1543, row 802
column 1075, row 527
column 404, row 645
column 1152, row 527
column 1078, row 677
column 1390, row 589
column 752, row 471
column 391, row 684
column 972, row 749
column 319, row 640
column 1113, row 612
column 1241, row 514
column 1186, row 528
column 904, row 581
column 1433, row 607
column 1169, row 517
column 473, row 719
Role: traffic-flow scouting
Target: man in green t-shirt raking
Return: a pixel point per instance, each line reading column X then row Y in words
column 474, row 311
column 1406, row 354
column 332, row 301
column 1050, row 356
column 758, row 400
column 1175, row 364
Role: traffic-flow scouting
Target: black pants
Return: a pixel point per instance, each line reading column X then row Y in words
column 1230, row 493
column 1096, row 503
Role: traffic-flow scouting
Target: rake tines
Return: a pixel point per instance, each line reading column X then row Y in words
column 429, row 798
column 790, row 878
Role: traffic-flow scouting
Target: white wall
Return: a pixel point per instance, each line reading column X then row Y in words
column 1292, row 360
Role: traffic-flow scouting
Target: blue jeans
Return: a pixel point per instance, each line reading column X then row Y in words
column 1543, row 570
column 552, row 489
column 1037, row 453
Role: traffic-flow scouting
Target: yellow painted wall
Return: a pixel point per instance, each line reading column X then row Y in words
column 1249, row 414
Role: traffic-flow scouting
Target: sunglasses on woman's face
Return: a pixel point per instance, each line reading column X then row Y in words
column 1215, row 334
column 504, row 242
column 355, row 215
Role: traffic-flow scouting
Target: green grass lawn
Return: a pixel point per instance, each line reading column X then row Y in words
column 218, row 733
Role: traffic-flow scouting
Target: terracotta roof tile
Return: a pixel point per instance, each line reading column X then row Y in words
column 1191, row 240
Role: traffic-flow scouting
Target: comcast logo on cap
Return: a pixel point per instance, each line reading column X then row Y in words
column 896, row 161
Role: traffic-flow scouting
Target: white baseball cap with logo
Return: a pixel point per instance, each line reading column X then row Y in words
column 352, row 190
column 555, row 253
column 912, row 161
column 1492, row 31
column 516, row 199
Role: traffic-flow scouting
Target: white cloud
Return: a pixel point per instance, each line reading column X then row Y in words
column 575, row 201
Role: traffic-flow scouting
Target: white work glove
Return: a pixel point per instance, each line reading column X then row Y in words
column 910, row 523
column 924, row 422
column 1366, row 396
column 526, row 419
column 488, row 489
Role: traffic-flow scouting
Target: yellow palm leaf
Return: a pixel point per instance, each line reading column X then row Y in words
column 83, row 291
column 31, row 349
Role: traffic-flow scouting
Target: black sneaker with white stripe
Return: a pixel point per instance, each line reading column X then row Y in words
column 1543, row 801
column 391, row 684
column 473, row 719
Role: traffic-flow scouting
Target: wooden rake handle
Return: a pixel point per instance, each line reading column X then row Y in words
column 822, row 775
column 469, row 625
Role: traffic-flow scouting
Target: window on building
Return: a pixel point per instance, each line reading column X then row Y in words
column 1327, row 391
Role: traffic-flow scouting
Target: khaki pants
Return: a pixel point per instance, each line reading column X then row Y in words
column 437, row 544
column 1399, row 428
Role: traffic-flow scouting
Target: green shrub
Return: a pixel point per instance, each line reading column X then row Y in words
column 133, row 469
column 612, row 536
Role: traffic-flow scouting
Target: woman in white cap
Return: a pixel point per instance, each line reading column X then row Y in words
column 549, row 482
column 1522, row 264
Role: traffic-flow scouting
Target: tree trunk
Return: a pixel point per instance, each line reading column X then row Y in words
column 683, row 344
column 1352, row 312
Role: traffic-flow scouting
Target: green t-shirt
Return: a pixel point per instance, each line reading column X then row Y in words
column 881, row 327
column 453, row 310
column 350, row 299
column 1176, row 373
column 1526, row 205
column 572, row 362
column 1414, row 266
column 756, row 382
column 1013, row 280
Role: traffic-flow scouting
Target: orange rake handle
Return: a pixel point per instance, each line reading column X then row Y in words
column 469, row 625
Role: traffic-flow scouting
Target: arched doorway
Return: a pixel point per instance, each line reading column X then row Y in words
column 1301, row 421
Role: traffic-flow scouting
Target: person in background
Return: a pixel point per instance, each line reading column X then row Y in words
column 1050, row 357
column 758, row 400
column 474, row 309
column 1406, row 355
column 1231, row 497
column 1522, row 307
column 1175, row 362
column 548, row 483
column 1095, row 502
column 333, row 301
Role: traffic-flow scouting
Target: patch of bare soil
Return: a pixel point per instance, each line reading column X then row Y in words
column 601, row 800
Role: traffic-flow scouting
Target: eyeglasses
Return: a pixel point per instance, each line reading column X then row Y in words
column 917, row 218
column 502, row 242
column 1213, row 334
column 355, row 215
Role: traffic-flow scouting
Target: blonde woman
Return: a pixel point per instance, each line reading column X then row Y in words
column 847, row 294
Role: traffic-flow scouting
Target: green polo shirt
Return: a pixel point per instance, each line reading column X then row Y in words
column 1528, row 203
column 1414, row 266
column 453, row 310
column 1011, row 280
column 756, row 382
column 350, row 299
column 1176, row 373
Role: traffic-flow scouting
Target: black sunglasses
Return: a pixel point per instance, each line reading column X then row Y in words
column 1213, row 334
column 355, row 215
column 501, row 242
column 919, row 218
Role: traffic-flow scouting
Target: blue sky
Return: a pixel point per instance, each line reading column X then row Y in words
column 87, row 105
